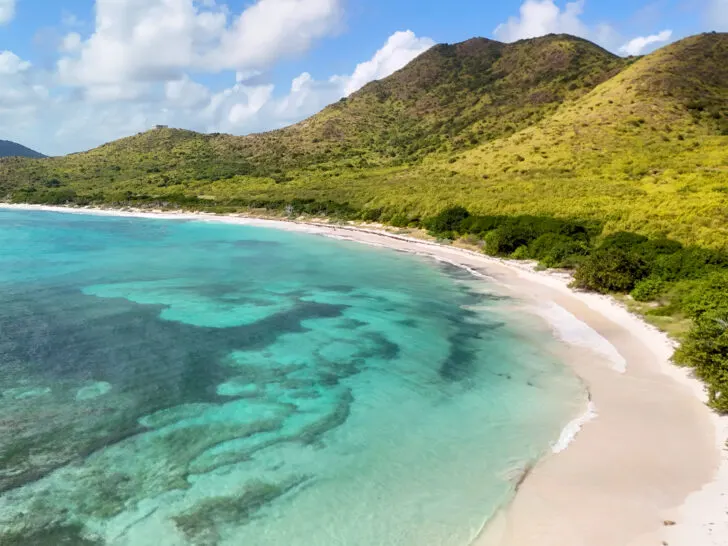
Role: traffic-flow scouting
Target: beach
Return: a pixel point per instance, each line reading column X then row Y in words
column 645, row 465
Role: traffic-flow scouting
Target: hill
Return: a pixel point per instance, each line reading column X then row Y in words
column 554, row 126
column 13, row 149
column 451, row 97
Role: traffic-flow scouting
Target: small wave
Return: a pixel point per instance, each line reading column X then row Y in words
column 573, row 428
column 571, row 330
column 470, row 270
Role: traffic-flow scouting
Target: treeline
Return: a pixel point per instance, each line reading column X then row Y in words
column 678, row 280
column 292, row 207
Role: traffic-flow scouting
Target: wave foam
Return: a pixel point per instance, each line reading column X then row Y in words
column 571, row 330
column 568, row 434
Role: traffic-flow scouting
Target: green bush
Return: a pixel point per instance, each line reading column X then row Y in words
column 689, row 263
column 558, row 250
column 506, row 239
column 448, row 220
column 521, row 253
column 706, row 295
column 622, row 240
column 648, row 289
column 399, row 220
column 610, row 270
column 706, row 350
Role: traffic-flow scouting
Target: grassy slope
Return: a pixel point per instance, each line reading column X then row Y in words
column 646, row 151
column 452, row 96
column 554, row 125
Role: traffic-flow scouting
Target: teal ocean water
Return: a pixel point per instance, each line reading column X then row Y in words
column 169, row 382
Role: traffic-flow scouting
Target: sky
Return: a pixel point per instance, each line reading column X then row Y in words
column 77, row 73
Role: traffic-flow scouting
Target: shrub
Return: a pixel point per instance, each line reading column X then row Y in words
column 706, row 295
column 399, row 220
column 521, row 253
column 622, row 240
column 648, row 289
column 448, row 220
column 689, row 263
column 611, row 270
column 371, row 215
column 705, row 348
column 506, row 239
column 556, row 250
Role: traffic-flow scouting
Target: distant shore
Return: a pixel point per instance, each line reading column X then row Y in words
column 648, row 466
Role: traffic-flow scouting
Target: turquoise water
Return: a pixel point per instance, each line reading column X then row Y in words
column 189, row 383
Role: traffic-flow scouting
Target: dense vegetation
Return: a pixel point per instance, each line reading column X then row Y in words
column 550, row 149
column 677, row 281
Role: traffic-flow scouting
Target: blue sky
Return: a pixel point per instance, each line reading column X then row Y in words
column 76, row 73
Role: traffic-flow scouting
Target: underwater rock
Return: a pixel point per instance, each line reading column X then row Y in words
column 22, row 393
column 92, row 391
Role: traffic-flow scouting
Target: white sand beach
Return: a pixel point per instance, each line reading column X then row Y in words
column 648, row 466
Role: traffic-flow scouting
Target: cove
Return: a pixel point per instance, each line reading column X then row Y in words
column 169, row 382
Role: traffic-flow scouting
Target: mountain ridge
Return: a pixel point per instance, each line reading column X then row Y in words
column 9, row 148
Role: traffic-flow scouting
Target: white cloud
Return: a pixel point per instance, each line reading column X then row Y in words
column 271, row 29
column 7, row 11
column 247, row 108
column 151, row 40
column 717, row 15
column 307, row 95
column 71, row 42
column 638, row 45
column 158, row 40
column 186, row 93
column 22, row 94
column 11, row 64
column 401, row 48
column 540, row 17
column 106, row 110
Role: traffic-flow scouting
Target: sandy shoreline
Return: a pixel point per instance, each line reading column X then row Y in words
column 650, row 453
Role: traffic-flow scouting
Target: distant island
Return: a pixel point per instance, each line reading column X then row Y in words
column 13, row 149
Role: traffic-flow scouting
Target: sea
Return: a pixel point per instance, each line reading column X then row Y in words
column 185, row 382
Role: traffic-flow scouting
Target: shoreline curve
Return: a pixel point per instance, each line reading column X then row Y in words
column 651, row 470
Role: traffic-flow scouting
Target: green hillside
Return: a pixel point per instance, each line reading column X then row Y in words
column 554, row 125
column 450, row 98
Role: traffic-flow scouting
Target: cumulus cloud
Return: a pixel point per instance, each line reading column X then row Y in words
column 400, row 49
column 71, row 42
column 540, row 17
column 158, row 40
column 7, row 11
column 107, row 108
column 11, row 64
column 244, row 108
column 638, row 45
column 22, row 94
column 185, row 93
column 271, row 29
column 717, row 15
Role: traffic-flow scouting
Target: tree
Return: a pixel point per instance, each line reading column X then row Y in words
column 611, row 270
column 706, row 350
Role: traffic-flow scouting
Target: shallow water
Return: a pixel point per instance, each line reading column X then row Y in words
column 176, row 383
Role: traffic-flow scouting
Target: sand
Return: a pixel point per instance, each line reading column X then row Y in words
column 644, row 466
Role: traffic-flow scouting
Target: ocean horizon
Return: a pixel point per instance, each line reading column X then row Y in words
column 182, row 382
